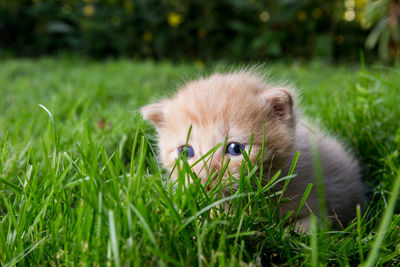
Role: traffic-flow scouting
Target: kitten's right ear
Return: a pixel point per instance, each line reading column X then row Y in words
column 279, row 102
column 154, row 113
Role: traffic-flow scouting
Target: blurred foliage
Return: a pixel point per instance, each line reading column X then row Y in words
column 384, row 16
column 189, row 29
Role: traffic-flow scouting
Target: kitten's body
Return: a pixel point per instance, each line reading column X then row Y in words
column 341, row 176
column 234, row 106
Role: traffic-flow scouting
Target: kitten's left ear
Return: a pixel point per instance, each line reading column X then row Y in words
column 154, row 113
column 279, row 103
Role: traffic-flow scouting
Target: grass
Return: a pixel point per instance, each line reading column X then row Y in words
column 93, row 193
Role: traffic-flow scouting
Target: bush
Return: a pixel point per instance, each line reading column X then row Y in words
column 176, row 29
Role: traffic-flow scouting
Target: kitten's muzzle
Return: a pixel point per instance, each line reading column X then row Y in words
column 209, row 171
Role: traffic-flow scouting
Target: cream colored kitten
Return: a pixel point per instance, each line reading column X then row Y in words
column 234, row 106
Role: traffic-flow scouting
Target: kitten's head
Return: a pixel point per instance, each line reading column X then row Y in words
column 229, row 107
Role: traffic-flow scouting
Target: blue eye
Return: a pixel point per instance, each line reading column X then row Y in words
column 186, row 149
column 234, row 149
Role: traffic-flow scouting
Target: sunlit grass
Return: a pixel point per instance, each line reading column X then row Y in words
column 94, row 193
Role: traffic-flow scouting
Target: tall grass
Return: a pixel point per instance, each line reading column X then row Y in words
column 94, row 193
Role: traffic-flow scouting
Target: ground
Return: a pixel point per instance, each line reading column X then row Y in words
column 88, row 189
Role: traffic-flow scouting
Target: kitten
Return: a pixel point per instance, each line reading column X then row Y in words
column 234, row 106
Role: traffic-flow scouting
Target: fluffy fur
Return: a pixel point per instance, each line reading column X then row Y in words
column 234, row 106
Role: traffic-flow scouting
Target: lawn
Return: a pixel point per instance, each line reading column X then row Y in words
column 88, row 189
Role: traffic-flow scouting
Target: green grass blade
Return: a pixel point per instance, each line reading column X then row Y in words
column 314, row 241
column 135, row 140
column 319, row 182
column 304, row 199
column 359, row 234
column 114, row 238
column 291, row 170
column 145, row 225
column 383, row 226
column 25, row 253
column 52, row 122
column 3, row 153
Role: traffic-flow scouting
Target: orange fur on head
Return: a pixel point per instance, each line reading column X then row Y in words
column 231, row 106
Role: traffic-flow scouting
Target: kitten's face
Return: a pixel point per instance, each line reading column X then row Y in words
column 228, row 107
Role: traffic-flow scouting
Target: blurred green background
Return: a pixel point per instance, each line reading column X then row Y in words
column 202, row 30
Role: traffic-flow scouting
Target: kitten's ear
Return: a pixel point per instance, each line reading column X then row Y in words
column 279, row 103
column 154, row 113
